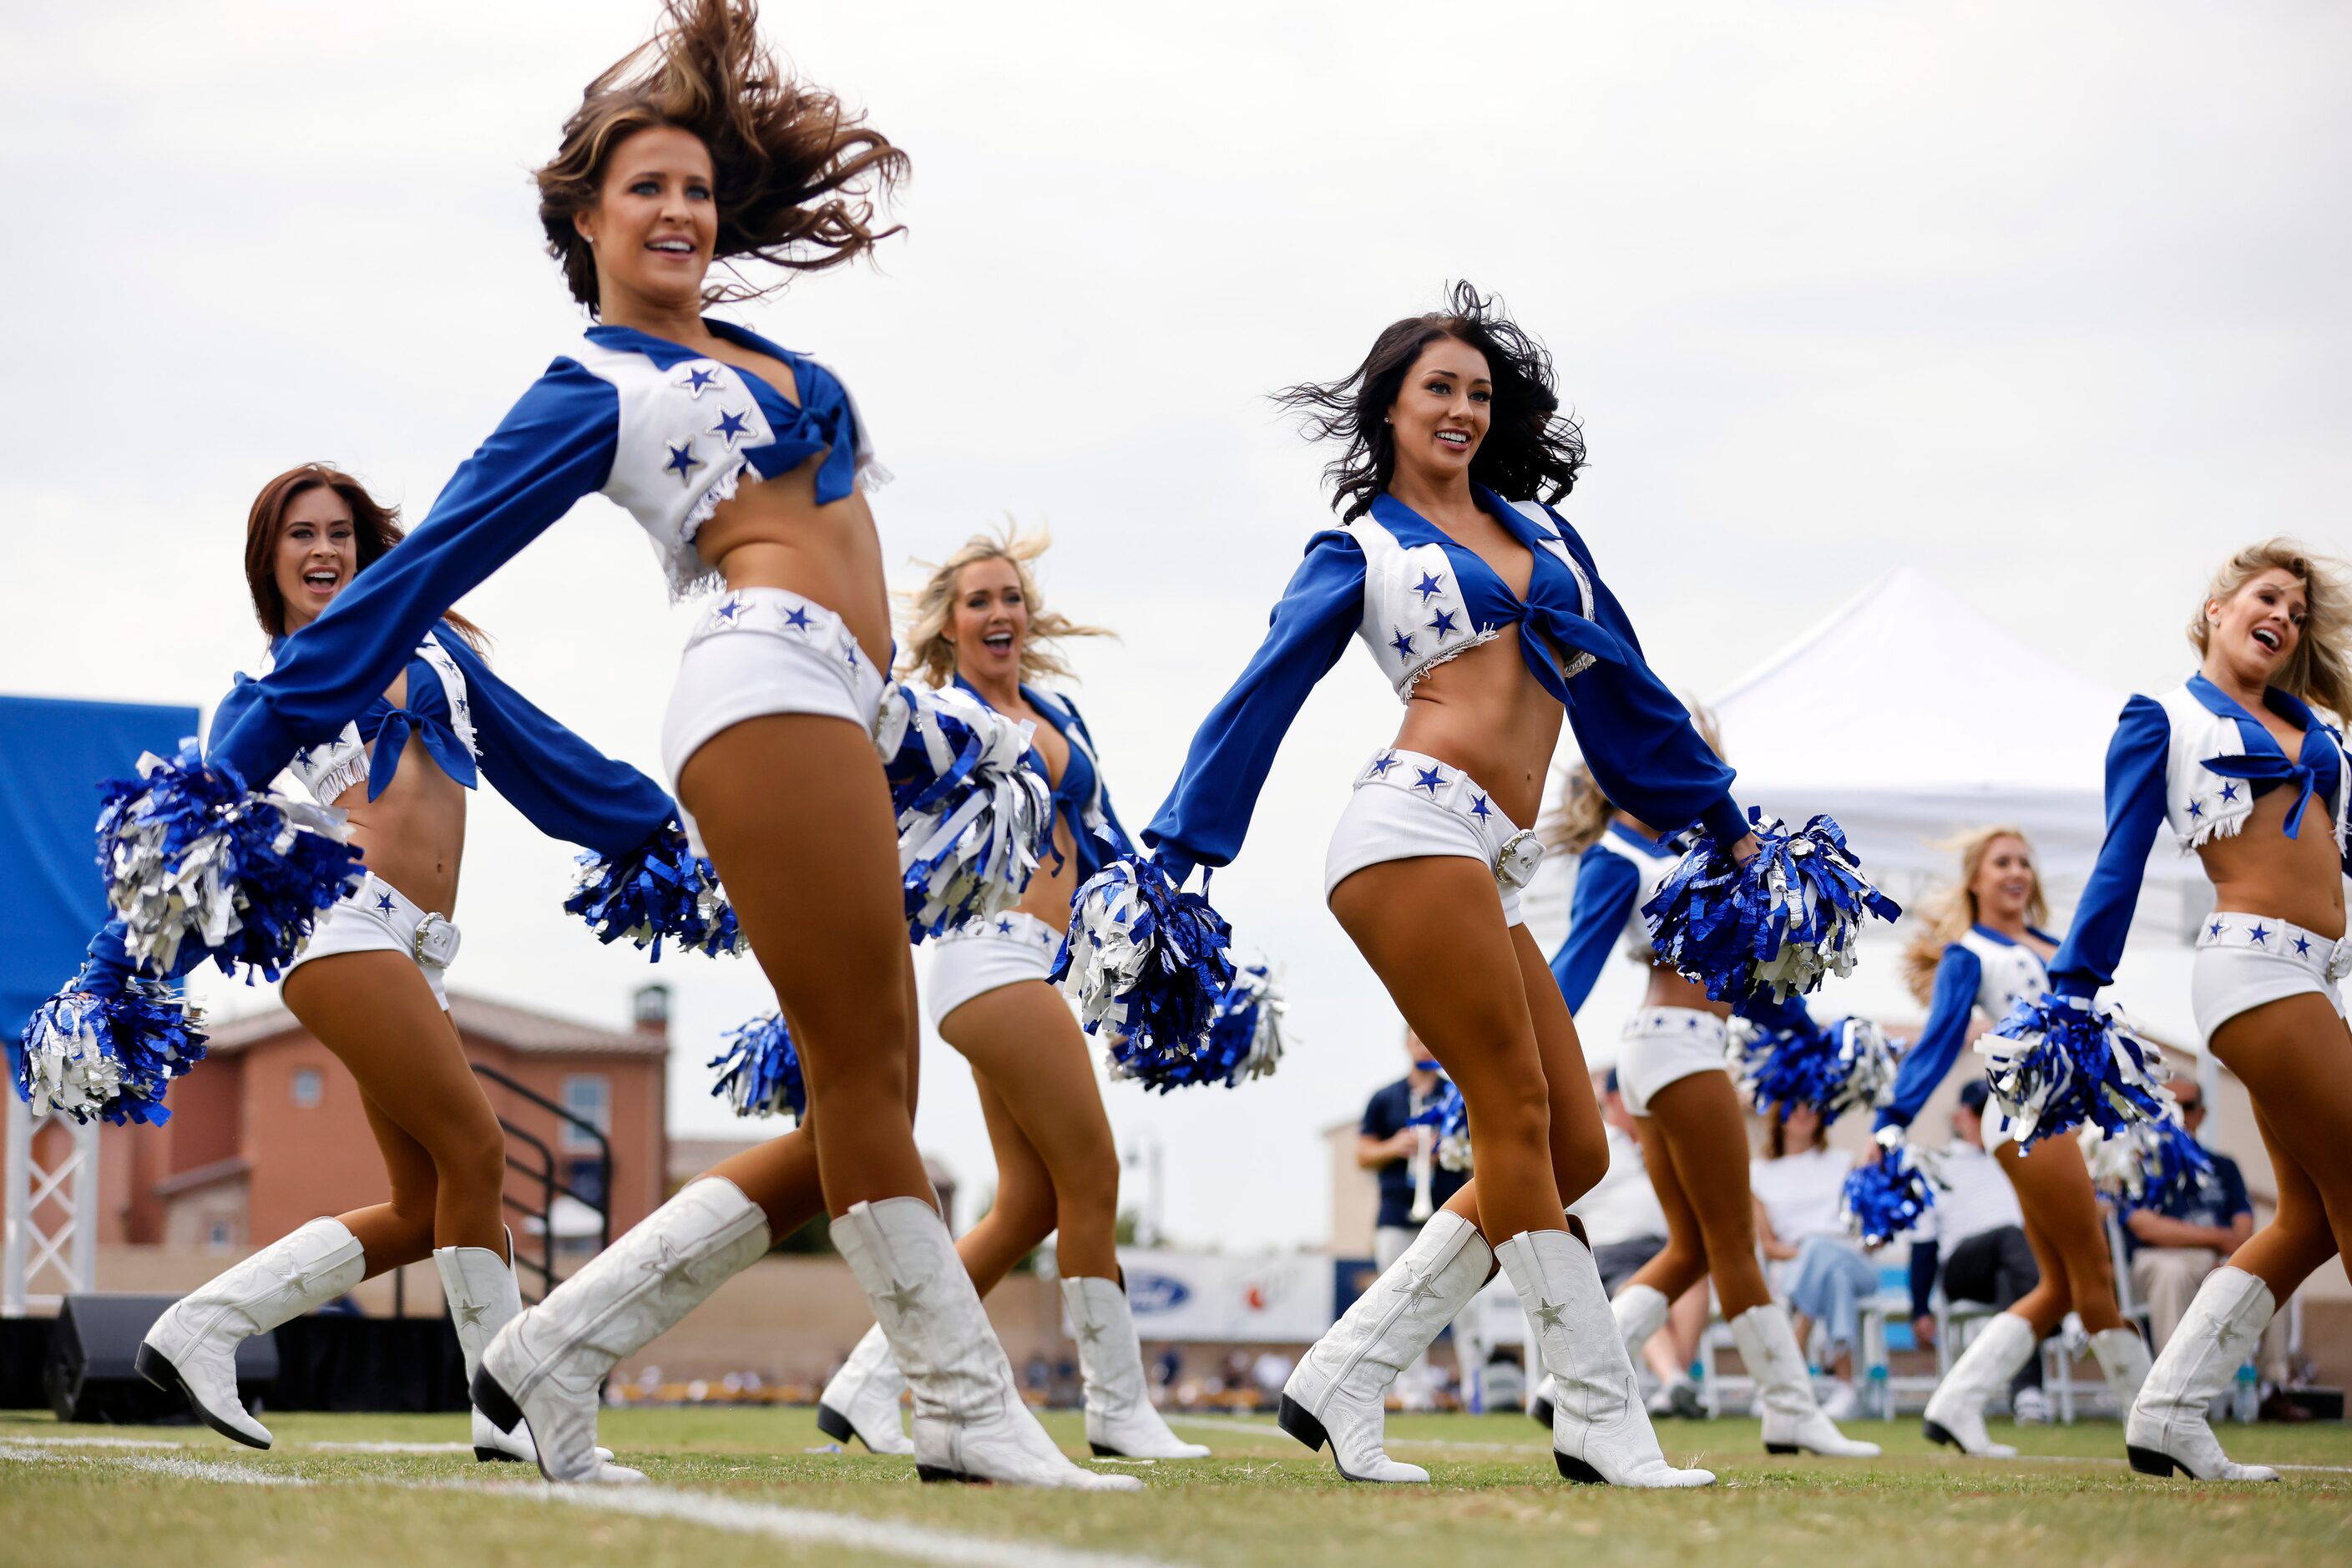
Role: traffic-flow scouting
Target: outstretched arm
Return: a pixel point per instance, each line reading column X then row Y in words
column 1957, row 976
column 1606, row 884
column 2135, row 782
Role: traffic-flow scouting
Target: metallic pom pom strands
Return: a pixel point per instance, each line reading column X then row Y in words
column 1883, row 1199
column 1449, row 1114
column 199, row 867
column 2057, row 1063
column 973, row 821
column 92, row 1055
column 1245, row 1042
column 759, row 1071
column 1778, row 925
column 660, row 890
column 1146, row 962
column 2150, row 1165
column 1848, row 1066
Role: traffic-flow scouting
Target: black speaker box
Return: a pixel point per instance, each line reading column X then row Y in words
column 90, row 1374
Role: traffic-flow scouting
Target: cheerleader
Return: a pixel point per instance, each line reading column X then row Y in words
column 746, row 464
column 1694, row 1133
column 980, row 623
column 1488, row 619
column 1982, row 951
column 2241, row 766
column 370, row 985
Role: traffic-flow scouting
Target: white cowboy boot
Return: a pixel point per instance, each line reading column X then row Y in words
column 191, row 1349
column 2123, row 1360
column 862, row 1399
column 1338, row 1392
column 483, row 1298
column 970, row 1422
column 547, row 1366
column 1955, row 1413
column 1600, row 1431
column 2168, row 1430
column 1794, row 1422
column 1120, row 1421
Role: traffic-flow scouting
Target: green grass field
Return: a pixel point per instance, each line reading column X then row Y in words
column 752, row 1486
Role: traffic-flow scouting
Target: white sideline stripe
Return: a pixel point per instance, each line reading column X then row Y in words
column 1239, row 1423
column 98, row 1442
column 916, row 1542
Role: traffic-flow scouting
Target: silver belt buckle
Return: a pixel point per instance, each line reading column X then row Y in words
column 436, row 941
column 2339, row 959
column 1516, row 863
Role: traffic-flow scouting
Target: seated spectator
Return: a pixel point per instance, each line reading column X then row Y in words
column 1625, row 1228
column 2172, row 1246
column 1979, row 1232
column 1821, row 1270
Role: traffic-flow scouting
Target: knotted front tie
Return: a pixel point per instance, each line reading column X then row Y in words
column 2268, row 767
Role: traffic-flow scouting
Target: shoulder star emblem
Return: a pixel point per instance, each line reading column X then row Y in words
column 1403, row 644
column 731, row 426
column 700, row 379
column 2229, row 790
column 1428, row 586
column 1442, row 624
column 683, row 462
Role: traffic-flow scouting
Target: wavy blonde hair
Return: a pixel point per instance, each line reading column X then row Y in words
column 1583, row 811
column 1946, row 916
column 2319, row 670
column 931, row 607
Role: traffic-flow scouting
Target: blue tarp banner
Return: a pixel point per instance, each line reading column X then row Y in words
column 54, row 755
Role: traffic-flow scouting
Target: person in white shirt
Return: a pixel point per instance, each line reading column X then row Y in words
column 1823, row 1272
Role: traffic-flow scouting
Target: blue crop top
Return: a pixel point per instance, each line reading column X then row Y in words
column 1636, row 737
column 1079, row 795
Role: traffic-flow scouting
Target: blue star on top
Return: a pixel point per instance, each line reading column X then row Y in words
column 2259, row 934
column 1403, row 644
column 1442, row 624
column 1479, row 809
column 2302, row 947
column 683, row 462
column 797, row 618
column 731, row 426
column 731, row 609
column 1428, row 586
column 700, row 379
column 1381, row 765
column 2196, row 808
column 2214, row 930
column 1428, row 779
column 383, row 903
column 2229, row 790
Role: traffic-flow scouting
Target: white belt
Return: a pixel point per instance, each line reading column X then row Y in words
column 432, row 938
column 2327, row 957
column 1658, row 1022
column 1013, row 926
column 1514, row 851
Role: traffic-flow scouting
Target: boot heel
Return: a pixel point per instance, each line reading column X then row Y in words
column 941, row 1473
column 1782, row 1448
column 1103, row 1450
column 835, row 1424
column 1295, row 1419
column 156, row 1368
column 495, row 1456
column 1577, row 1470
column 1541, row 1411
column 1937, row 1432
column 2151, row 1461
column 493, row 1402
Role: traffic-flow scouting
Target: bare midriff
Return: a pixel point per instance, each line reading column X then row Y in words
column 1050, row 889
column 1669, row 989
column 414, row 834
column 2259, row 871
column 1486, row 713
column 773, row 534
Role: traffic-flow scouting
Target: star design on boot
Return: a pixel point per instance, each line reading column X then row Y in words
column 1090, row 1333
column 1423, row 1287
column 298, row 1281
column 903, row 1298
column 469, row 1314
column 1548, row 1315
column 668, row 1260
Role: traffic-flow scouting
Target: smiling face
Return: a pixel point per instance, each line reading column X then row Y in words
column 1441, row 412
column 655, row 223
column 988, row 621
column 2252, row 634
column 2004, row 883
column 318, row 552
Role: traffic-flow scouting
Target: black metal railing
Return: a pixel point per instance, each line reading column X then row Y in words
column 550, row 1177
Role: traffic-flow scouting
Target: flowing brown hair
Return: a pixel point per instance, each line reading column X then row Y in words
column 1946, row 915
column 376, row 528
column 933, row 606
column 2319, row 670
column 1583, row 812
column 790, row 167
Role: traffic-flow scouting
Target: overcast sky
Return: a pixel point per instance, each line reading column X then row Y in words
column 2047, row 299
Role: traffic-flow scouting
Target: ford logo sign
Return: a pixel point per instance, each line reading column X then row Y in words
column 1148, row 1293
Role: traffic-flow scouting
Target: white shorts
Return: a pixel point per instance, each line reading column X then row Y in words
column 2244, row 960
column 380, row 918
column 1662, row 1045
column 1429, row 807
column 760, row 651
column 980, row 956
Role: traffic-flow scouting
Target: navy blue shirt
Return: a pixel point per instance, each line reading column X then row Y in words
column 2214, row 1203
column 1386, row 1114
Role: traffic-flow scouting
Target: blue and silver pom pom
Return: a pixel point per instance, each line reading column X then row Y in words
column 2149, row 1165
column 1147, row 963
column 759, row 1071
column 974, row 820
column 1245, row 1042
column 1848, row 1066
column 659, row 890
column 2057, row 1063
column 107, row 1056
column 1778, row 925
column 199, row 867
column 1448, row 1115
column 1883, row 1199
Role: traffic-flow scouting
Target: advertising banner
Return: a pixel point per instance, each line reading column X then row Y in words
column 1199, row 1295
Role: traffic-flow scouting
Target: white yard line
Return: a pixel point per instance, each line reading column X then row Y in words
column 177, row 1469
column 389, row 1447
column 1241, row 1424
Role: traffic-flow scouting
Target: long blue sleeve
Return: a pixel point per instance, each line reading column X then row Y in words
column 1606, row 886
column 1205, row 816
column 554, row 447
column 1959, row 975
column 564, row 787
column 1637, row 737
column 2136, row 759
column 106, row 965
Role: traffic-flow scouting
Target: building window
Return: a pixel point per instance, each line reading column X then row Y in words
column 216, row 1233
column 310, row 1087
column 589, row 1098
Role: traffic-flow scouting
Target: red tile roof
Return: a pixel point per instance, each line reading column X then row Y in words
column 476, row 1018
